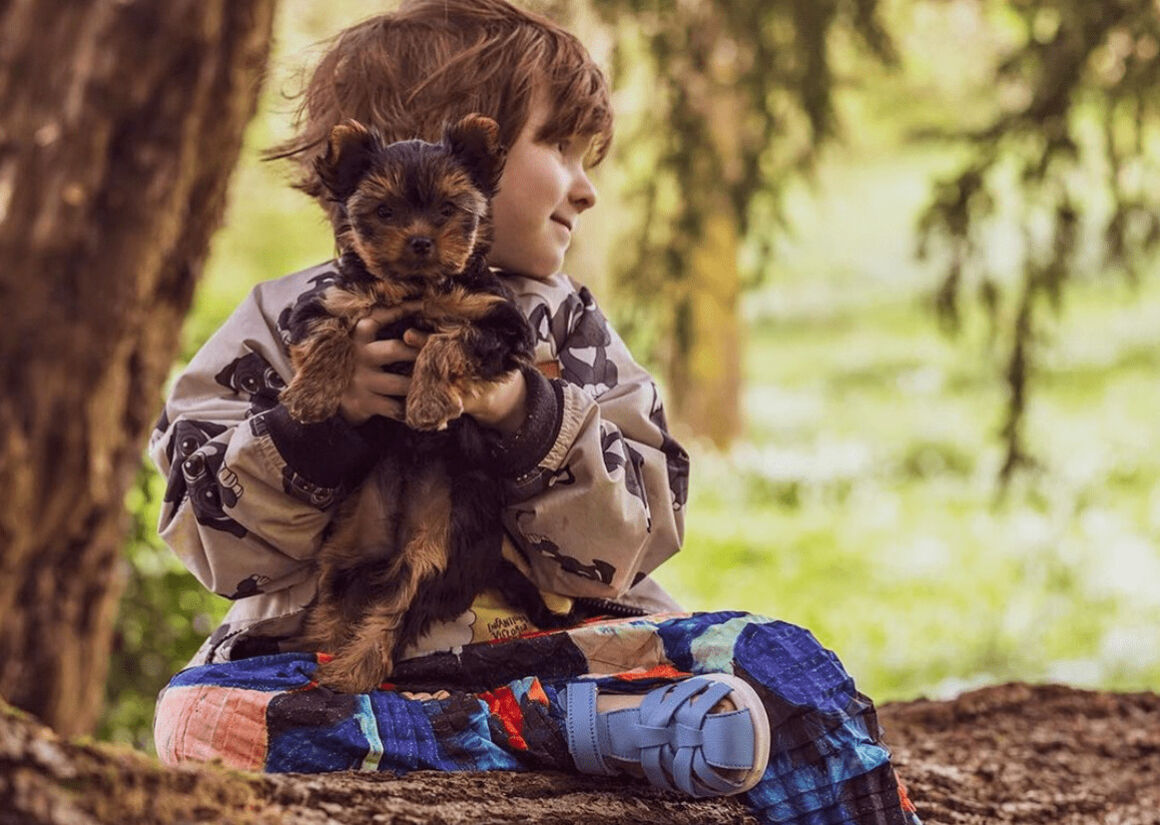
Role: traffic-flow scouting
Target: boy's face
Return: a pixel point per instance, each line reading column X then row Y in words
column 543, row 190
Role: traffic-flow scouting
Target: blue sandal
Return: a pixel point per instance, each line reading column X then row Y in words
column 673, row 735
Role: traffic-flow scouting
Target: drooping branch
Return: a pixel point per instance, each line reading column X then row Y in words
column 1083, row 125
column 741, row 100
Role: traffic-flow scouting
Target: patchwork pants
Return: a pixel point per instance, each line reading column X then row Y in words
column 494, row 706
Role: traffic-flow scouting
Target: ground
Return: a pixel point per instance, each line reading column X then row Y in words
column 1006, row 754
column 1043, row 754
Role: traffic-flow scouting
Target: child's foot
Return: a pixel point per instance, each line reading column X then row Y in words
column 707, row 735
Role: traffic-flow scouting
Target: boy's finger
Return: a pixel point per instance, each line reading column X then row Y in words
column 415, row 338
column 366, row 329
column 388, row 408
column 388, row 315
column 390, row 351
column 387, row 383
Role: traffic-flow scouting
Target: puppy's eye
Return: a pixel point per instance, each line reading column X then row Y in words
column 384, row 212
column 448, row 209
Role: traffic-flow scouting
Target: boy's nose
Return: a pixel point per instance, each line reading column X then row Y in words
column 421, row 245
column 582, row 194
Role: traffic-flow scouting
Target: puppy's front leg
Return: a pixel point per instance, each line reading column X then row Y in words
column 323, row 364
column 434, row 398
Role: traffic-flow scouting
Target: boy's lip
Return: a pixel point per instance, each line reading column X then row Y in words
column 567, row 223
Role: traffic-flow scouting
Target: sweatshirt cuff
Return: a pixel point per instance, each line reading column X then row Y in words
column 522, row 451
column 330, row 453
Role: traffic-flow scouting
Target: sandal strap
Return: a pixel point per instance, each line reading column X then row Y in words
column 728, row 741
column 581, row 725
column 673, row 739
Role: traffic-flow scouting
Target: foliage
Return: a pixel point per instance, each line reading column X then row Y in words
column 861, row 502
column 740, row 98
column 1077, row 129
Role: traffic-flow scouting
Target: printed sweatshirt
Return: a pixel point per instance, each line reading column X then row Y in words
column 594, row 485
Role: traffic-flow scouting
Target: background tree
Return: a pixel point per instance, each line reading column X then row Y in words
column 742, row 99
column 120, row 123
column 1077, row 129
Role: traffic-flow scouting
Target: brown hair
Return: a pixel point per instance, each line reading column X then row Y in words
column 411, row 72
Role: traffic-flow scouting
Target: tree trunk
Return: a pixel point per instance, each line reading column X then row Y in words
column 120, row 121
column 705, row 372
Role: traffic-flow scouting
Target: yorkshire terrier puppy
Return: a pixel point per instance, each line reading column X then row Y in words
column 422, row 536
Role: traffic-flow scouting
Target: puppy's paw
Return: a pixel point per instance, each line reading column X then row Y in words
column 346, row 673
column 306, row 405
column 432, row 410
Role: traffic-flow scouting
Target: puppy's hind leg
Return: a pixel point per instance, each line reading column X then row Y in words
column 399, row 613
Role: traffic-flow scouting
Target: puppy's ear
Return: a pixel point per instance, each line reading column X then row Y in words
column 349, row 153
column 475, row 141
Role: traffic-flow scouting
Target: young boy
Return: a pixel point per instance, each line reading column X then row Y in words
column 594, row 487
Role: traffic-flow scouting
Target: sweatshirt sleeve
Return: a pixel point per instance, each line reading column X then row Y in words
column 249, row 491
column 596, row 485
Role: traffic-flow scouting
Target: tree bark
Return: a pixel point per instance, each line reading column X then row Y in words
column 120, row 121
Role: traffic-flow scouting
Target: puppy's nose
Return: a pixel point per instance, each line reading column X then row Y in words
column 421, row 245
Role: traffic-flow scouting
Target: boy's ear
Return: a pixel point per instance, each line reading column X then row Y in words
column 349, row 152
column 475, row 141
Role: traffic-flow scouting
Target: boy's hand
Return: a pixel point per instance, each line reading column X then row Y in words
column 371, row 391
column 504, row 408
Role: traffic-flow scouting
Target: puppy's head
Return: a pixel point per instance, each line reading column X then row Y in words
column 414, row 209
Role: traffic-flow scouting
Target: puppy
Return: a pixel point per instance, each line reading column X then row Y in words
column 422, row 536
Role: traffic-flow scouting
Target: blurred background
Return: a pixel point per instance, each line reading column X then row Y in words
column 893, row 262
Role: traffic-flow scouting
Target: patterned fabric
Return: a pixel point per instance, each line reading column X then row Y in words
column 495, row 706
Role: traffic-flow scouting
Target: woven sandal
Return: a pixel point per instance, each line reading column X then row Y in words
column 673, row 735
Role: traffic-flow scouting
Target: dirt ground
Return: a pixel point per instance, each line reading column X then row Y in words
column 1005, row 754
column 1030, row 754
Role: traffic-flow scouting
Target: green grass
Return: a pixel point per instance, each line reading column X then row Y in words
column 862, row 501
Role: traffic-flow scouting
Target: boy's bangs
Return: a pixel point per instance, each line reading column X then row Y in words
column 408, row 72
column 580, row 109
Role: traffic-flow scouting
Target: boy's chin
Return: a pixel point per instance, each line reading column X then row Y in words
column 538, row 269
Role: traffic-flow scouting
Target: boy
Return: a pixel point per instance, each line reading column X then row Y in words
column 594, row 487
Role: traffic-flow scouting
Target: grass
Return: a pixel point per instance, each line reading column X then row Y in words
column 862, row 501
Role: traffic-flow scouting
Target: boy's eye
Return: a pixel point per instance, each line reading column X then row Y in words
column 563, row 146
column 384, row 212
column 448, row 209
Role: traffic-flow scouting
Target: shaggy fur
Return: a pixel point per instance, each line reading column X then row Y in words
column 422, row 536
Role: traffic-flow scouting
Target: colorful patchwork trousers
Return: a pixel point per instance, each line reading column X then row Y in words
column 494, row 706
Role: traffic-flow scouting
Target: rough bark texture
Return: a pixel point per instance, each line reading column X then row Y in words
column 120, row 121
column 1005, row 754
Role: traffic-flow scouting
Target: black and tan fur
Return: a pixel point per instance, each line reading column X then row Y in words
column 422, row 536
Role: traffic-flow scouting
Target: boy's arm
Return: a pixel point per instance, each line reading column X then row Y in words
column 249, row 491
column 598, row 487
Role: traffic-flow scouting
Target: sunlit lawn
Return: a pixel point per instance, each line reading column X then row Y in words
column 863, row 504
